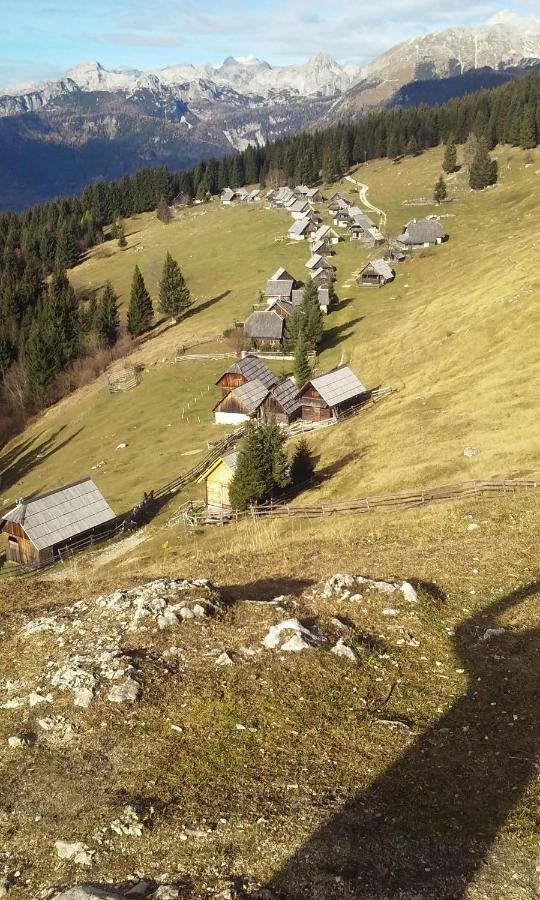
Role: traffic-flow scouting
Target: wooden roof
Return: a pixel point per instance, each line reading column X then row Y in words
column 264, row 325
column 61, row 514
column 336, row 387
column 251, row 367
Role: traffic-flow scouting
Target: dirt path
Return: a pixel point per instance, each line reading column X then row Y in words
column 362, row 193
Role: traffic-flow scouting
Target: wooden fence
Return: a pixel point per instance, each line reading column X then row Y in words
column 172, row 487
column 126, row 380
column 196, row 342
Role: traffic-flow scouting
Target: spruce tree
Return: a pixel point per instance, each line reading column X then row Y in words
column 440, row 193
column 302, row 463
column 412, row 146
column 302, row 369
column 293, row 326
column 483, row 171
column 39, row 358
column 107, row 320
column 262, row 468
column 527, row 132
column 469, row 150
column 62, row 310
column 450, row 156
column 140, row 309
column 122, row 242
column 163, row 211
column 313, row 322
column 174, row 296
column 67, row 251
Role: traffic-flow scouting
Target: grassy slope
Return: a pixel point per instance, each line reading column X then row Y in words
column 456, row 333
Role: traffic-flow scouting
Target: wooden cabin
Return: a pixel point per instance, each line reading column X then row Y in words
column 217, row 479
column 422, row 233
column 256, row 401
column 280, row 405
column 38, row 529
column 264, row 329
column 330, row 396
column 323, row 277
column 247, row 369
column 376, row 273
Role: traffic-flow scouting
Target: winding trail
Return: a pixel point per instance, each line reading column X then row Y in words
column 362, row 192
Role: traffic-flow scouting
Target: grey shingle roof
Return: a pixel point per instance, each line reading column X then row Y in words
column 300, row 226
column 296, row 296
column 252, row 367
column 324, row 232
column 285, row 393
column 251, row 395
column 422, row 231
column 264, row 325
column 279, row 288
column 323, row 296
column 281, row 274
column 362, row 220
column 230, row 460
column 62, row 514
column 338, row 386
column 314, row 261
column 227, row 194
column 381, row 267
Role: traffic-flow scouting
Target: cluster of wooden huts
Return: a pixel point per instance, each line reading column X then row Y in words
column 252, row 391
column 265, row 327
column 237, row 196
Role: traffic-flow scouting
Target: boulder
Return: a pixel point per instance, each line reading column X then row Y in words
column 127, row 691
column 344, row 651
column 74, row 851
column 88, row 892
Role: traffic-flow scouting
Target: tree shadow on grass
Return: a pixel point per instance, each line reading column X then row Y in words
column 206, row 304
column 425, row 826
column 333, row 336
column 28, row 453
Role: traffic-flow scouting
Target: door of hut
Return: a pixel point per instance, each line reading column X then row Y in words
column 13, row 550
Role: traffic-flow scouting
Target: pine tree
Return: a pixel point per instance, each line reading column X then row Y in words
column 302, row 463
column 262, row 467
column 527, row 132
column 450, row 156
column 67, row 251
column 107, row 320
column 64, row 320
column 469, row 150
column 122, row 242
column 140, row 310
column 39, row 358
column 313, row 322
column 440, row 193
column 483, row 171
column 163, row 212
column 174, row 296
column 293, row 326
column 302, row 369
column 412, row 147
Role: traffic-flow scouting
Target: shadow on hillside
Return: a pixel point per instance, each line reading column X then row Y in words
column 424, row 828
column 265, row 589
column 333, row 336
column 28, row 453
column 338, row 464
column 206, row 304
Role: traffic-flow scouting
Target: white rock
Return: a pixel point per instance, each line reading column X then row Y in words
column 83, row 697
column 224, row 660
column 409, row 592
column 344, row 651
column 167, row 620
column 127, row 691
column 389, row 611
column 470, row 451
column 21, row 740
column 166, row 892
column 89, row 892
column 75, row 851
column 296, row 643
column 35, row 699
column 14, row 703
column 121, row 446
column 186, row 613
column 273, row 638
column 199, row 611
column 473, row 527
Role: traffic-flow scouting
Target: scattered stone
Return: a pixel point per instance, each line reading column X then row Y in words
column 128, row 823
column 58, row 731
column 409, row 592
column 76, row 852
column 166, row 892
column 224, row 660
column 88, row 892
column 470, row 451
column 302, row 638
column 127, row 691
column 5, row 884
column 13, row 703
column 34, row 699
column 493, row 632
column 345, row 588
column 337, row 623
column 343, row 650
column 121, row 446
column 26, row 739
column 140, row 889
column 473, row 527
column 389, row 611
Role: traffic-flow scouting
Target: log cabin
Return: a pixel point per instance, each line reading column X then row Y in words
column 256, row 401
column 376, row 273
column 264, row 329
column 330, row 396
column 247, row 369
column 422, row 233
column 38, row 529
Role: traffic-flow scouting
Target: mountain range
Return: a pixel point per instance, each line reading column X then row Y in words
column 95, row 122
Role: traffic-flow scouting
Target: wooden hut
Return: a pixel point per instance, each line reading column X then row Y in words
column 38, row 529
column 376, row 273
column 280, row 404
column 240, row 404
column 422, row 233
column 217, row 479
column 329, row 396
column 264, row 329
column 247, row 369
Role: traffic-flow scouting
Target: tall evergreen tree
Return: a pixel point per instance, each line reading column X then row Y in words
column 440, row 193
column 262, row 467
column 39, row 358
column 528, row 131
column 67, row 251
column 140, row 309
column 450, row 156
column 163, row 211
column 107, row 319
column 470, row 150
column 313, row 322
column 174, row 296
column 483, row 171
column 302, row 369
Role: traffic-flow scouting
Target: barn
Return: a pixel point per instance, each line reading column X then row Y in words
column 329, row 396
column 217, row 479
column 247, row 369
column 39, row 529
column 422, row 233
column 376, row 273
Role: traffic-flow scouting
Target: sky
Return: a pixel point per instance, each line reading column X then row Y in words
column 40, row 39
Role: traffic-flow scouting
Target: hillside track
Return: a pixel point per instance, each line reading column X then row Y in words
column 362, row 193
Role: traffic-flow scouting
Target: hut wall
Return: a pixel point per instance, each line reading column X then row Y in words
column 217, row 487
column 231, row 380
column 19, row 548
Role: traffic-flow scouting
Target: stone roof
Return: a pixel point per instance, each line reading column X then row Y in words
column 62, row 514
column 250, row 395
column 381, row 267
column 300, row 226
column 278, row 288
column 338, row 386
column 422, row 231
column 285, row 393
column 281, row 274
column 267, row 325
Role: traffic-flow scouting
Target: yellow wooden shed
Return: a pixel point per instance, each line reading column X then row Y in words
column 217, row 479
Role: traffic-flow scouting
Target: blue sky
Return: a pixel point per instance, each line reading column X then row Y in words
column 42, row 38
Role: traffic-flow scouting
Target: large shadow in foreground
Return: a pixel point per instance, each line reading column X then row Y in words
column 424, row 827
